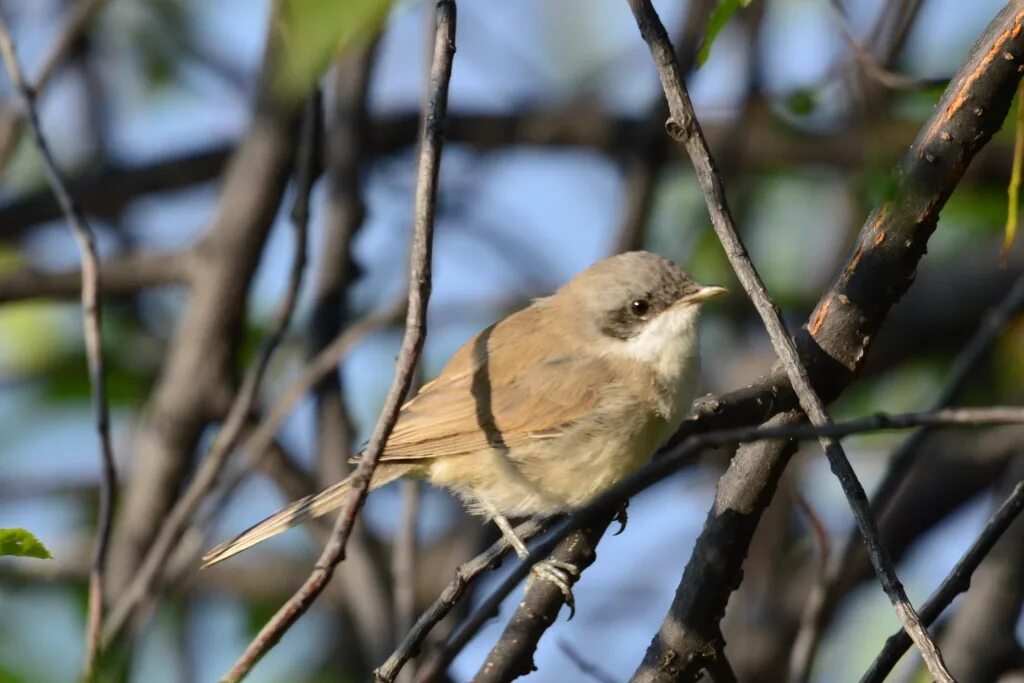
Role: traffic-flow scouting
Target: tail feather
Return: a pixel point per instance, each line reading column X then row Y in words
column 296, row 513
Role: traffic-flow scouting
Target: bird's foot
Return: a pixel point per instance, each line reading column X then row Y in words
column 562, row 575
column 622, row 516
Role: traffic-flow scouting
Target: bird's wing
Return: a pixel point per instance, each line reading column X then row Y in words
column 543, row 389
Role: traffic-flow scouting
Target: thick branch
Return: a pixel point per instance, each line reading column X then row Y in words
column 127, row 274
column 768, row 144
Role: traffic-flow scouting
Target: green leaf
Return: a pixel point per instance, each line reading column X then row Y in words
column 719, row 18
column 310, row 33
column 1013, row 190
column 802, row 102
column 21, row 543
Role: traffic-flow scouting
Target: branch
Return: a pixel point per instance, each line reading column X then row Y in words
column 432, row 140
column 768, row 144
column 198, row 380
column 147, row 577
column 91, row 313
column 345, row 142
column 825, row 597
column 958, row 581
column 597, row 512
column 403, row 562
column 256, row 444
column 127, row 274
column 82, row 14
column 465, row 574
column 684, row 127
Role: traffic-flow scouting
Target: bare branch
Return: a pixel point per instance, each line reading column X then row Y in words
column 684, row 127
column 82, row 15
column 958, row 581
column 148, row 574
column 403, row 564
column 596, row 513
column 446, row 601
column 345, row 151
column 586, row 667
column 824, row 599
column 122, row 275
column 91, row 313
column 432, row 140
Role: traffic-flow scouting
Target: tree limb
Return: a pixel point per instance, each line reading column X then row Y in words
column 432, row 140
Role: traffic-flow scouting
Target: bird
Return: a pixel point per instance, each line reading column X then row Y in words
column 547, row 408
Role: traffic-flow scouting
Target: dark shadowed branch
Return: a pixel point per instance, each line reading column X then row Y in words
column 958, row 581
column 90, row 298
column 432, row 140
column 825, row 597
column 597, row 514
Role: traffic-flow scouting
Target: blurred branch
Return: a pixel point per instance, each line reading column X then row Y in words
column 586, row 667
column 958, row 581
column 982, row 636
column 257, row 443
column 127, row 274
column 644, row 163
column 866, row 61
column 825, row 597
column 403, row 564
column 770, row 143
column 432, row 141
column 371, row 636
column 197, row 383
column 91, row 314
column 11, row 121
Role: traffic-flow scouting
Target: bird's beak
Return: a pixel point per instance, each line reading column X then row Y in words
column 703, row 293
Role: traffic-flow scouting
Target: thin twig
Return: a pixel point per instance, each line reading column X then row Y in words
column 403, row 563
column 958, row 581
column 465, row 574
column 81, row 15
column 91, row 312
column 684, row 127
column 677, row 458
column 868, row 64
column 586, row 667
column 824, row 598
column 147, row 577
column 432, row 139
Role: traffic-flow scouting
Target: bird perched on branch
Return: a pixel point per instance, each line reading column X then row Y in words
column 547, row 408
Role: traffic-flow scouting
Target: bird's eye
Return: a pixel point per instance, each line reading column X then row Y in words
column 639, row 307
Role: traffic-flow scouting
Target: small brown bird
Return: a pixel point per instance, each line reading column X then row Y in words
column 547, row 408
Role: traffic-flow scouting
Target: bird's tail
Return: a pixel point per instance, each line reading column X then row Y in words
column 310, row 507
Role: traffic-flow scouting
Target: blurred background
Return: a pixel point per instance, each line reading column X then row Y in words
column 158, row 114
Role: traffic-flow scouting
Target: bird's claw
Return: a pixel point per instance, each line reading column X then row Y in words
column 622, row 516
column 562, row 575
